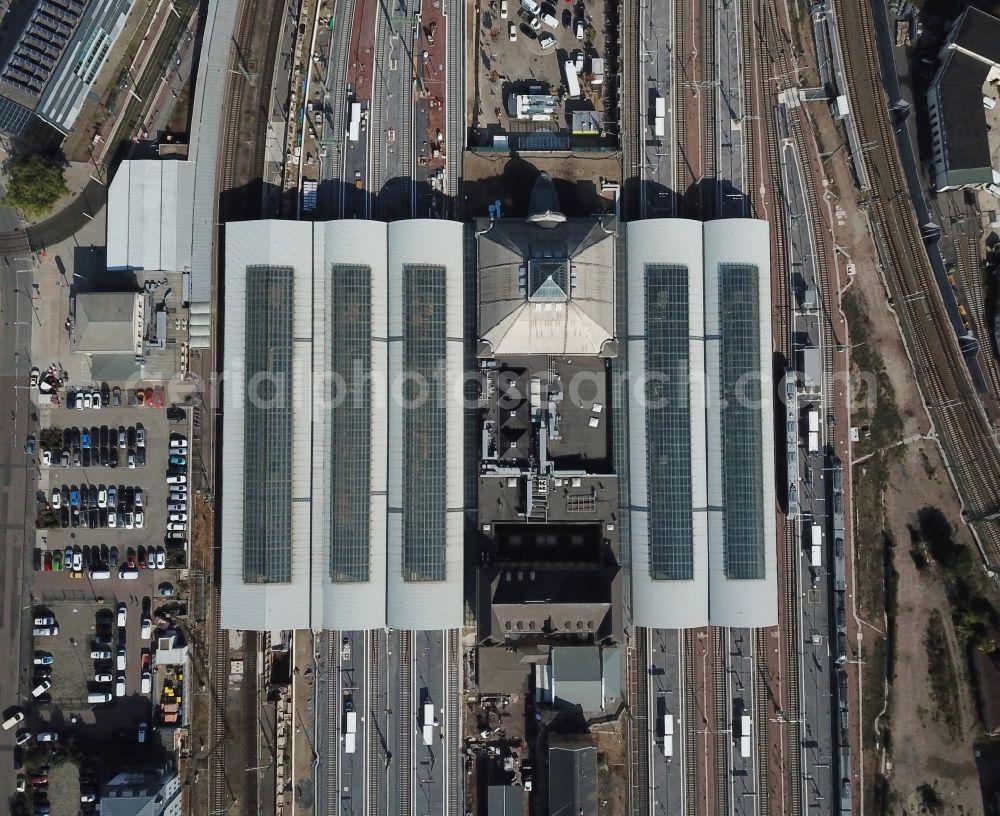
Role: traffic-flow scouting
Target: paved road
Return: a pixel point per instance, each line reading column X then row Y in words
column 17, row 480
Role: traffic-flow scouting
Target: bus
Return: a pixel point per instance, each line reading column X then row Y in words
column 354, row 124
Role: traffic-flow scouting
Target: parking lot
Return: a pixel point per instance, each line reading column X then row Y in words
column 513, row 59
column 100, row 506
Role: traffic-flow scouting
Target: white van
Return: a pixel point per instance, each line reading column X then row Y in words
column 120, row 686
column 99, row 697
column 41, row 688
column 550, row 21
column 99, row 575
column 129, row 575
column 530, row 6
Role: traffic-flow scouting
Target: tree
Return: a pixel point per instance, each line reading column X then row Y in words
column 34, row 184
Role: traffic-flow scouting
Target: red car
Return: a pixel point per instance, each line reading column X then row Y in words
column 141, row 559
column 145, row 659
column 47, row 562
column 149, row 396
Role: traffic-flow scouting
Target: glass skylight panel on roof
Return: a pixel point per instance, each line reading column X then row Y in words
column 740, row 396
column 668, row 423
column 424, row 422
column 350, row 330
column 267, row 444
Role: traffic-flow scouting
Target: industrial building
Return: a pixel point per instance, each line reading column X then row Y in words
column 343, row 447
column 962, row 103
column 108, row 323
column 53, row 64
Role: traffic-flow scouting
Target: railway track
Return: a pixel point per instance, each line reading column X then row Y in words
column 790, row 636
column 631, row 111
column 218, row 683
column 709, row 99
column 406, row 723
column 692, row 805
column 719, row 644
column 454, row 803
column 970, row 268
column 332, row 750
column 455, row 112
column 639, row 703
column 682, row 172
column 377, row 125
column 374, row 747
column 344, row 20
column 963, row 429
column 749, row 65
column 761, row 707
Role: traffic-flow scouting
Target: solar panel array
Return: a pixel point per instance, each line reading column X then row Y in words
column 350, row 328
column 267, row 444
column 740, row 403
column 668, row 423
column 424, row 427
column 42, row 43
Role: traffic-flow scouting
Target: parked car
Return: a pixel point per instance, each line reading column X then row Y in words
column 42, row 659
column 161, row 558
column 146, row 628
column 104, row 677
column 47, row 736
column 122, row 614
column 56, row 500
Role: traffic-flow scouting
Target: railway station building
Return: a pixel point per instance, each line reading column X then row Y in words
column 694, row 380
column 557, row 426
column 342, row 444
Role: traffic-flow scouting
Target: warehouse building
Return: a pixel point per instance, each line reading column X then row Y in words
column 962, row 104
column 149, row 216
column 342, row 444
column 109, row 324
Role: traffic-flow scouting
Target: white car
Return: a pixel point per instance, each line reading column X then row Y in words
column 176, row 517
column 122, row 614
column 78, row 560
column 96, row 399
column 47, row 736
column 112, row 519
column 180, row 442
column 512, row 32
column 120, row 686
column 122, row 659
column 530, row 6
column 177, row 480
column 161, row 558
column 45, row 620
column 579, row 30
column 172, row 527
column 88, row 401
column 56, row 498
column 46, row 457
column 100, row 654
column 128, row 520
column 503, row 9
column 177, row 507
column 139, row 496
column 146, row 682
column 102, row 496
column 140, row 436
column 140, row 519
column 546, row 40
column 104, row 678
column 146, row 630
column 535, row 24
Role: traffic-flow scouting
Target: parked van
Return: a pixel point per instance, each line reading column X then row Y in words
column 550, row 21
column 99, row 575
column 129, row 574
column 99, row 697
column 41, row 688
column 530, row 6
